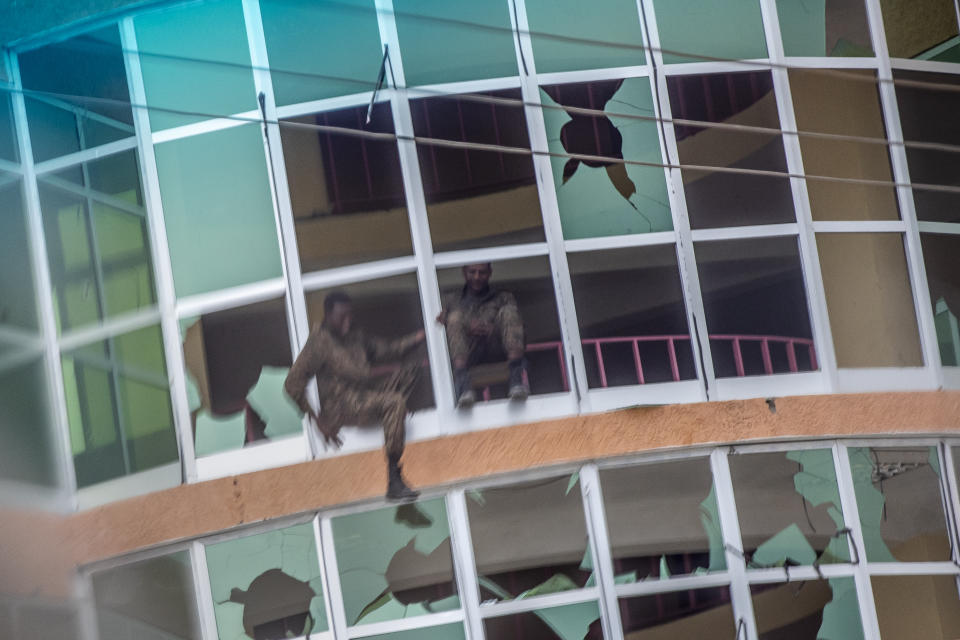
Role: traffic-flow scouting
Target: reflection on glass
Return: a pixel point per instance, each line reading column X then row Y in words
column 824, row 609
column 118, row 404
column 606, row 197
column 571, row 622
column 789, row 508
column 18, row 310
column 454, row 40
column 8, row 137
column 756, row 306
column 195, row 59
column 346, row 191
column 267, row 585
column 917, row 606
column 926, row 115
column 321, row 49
column 530, row 539
column 477, row 198
column 151, row 598
column 824, row 28
column 26, row 422
column 395, row 562
column 572, row 36
column 869, row 300
column 690, row 29
column 900, row 503
column 76, row 94
column 443, row 632
column 829, row 104
column 695, row 613
column 218, row 210
column 922, row 29
column 632, row 316
column 662, row 520
column 941, row 255
column 722, row 198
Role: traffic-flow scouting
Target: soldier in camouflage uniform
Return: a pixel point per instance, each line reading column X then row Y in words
column 339, row 356
column 483, row 325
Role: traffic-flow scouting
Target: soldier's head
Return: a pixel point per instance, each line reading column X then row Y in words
column 338, row 312
column 477, row 276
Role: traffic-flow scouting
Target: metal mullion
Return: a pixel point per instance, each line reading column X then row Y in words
column 324, row 578
column 465, row 568
column 849, row 226
column 707, row 66
column 11, row 167
column 593, row 75
column 599, row 539
column 949, row 467
column 223, row 299
column 673, row 584
column 492, row 254
column 78, row 112
column 86, row 155
column 931, row 568
column 214, row 122
column 203, row 591
column 656, row 238
column 337, row 619
column 947, row 228
column 424, row 621
column 747, row 232
column 325, row 104
column 338, row 276
column 536, row 603
column 92, row 195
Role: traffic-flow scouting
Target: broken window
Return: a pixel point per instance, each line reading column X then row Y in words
column 632, row 316
column 475, row 197
column 869, row 300
column 824, row 28
column 692, row 30
column 826, row 103
column 346, row 191
column 267, row 585
column 900, row 500
column 725, row 198
column 941, row 255
column 917, row 606
column 923, row 29
column 694, row 613
column 222, row 175
column 150, row 598
column 195, row 60
column 822, row 609
column 76, row 94
column 756, row 306
column 395, row 562
column 96, row 234
column 321, row 50
column 789, row 509
column 579, row 621
column 662, row 520
column 442, row 632
column 8, row 136
column 530, row 539
column 606, row 195
column 454, row 40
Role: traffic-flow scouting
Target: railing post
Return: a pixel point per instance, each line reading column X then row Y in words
column 765, row 352
column 603, row 372
column 636, row 359
column 738, row 357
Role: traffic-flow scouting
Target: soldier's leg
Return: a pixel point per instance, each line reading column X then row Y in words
column 390, row 409
column 510, row 326
column 460, row 344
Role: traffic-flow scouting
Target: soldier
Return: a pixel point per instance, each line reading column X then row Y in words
column 340, row 355
column 483, row 325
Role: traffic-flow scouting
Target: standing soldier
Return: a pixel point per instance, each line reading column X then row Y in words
column 339, row 356
column 483, row 325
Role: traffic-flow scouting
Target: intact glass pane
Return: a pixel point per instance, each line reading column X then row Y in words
column 724, row 198
column 530, row 539
column 662, row 520
column 8, row 137
column 196, row 62
column 695, row 613
column 921, row 29
column 77, row 94
column 321, row 49
column 756, row 306
column 941, row 255
column 789, row 508
column 395, row 562
column 572, row 36
column 267, row 585
column 610, row 196
column 869, row 300
column 632, row 317
column 454, row 40
column 824, row 28
column 18, row 309
column 917, row 606
column 26, row 422
column 346, row 190
column 153, row 598
column 443, row 632
column 218, row 210
column 810, row 609
column 900, row 503
column 569, row 622
column 691, row 30
column 826, row 103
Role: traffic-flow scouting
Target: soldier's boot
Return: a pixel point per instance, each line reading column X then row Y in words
column 397, row 489
column 519, row 389
column 465, row 394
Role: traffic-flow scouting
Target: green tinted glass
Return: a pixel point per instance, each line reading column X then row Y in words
column 690, row 29
column 17, row 307
column 822, row 28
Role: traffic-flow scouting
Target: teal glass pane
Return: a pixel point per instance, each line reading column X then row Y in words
column 454, row 40
column 569, row 35
column 321, row 49
column 605, row 198
column 267, row 585
column 395, row 562
column 824, row 609
column 77, row 94
column 443, row 632
column 195, row 58
column 218, row 210
column 18, row 307
column 8, row 137
column 569, row 622
column 691, row 30
column 29, row 446
column 824, row 28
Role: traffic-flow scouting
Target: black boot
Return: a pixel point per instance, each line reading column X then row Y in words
column 397, row 489
column 519, row 389
column 464, row 393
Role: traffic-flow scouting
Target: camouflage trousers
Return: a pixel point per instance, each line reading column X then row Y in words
column 506, row 334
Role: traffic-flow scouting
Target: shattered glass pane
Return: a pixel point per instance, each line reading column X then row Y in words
column 824, row 28
column 900, row 502
column 395, row 562
column 695, row 613
column 789, row 508
column 921, row 29
column 606, row 196
column 728, row 30
column 267, row 585
column 443, row 632
column 821, row 609
column 917, row 606
column 941, row 256
column 571, row 622
column 530, row 539
column 662, row 520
